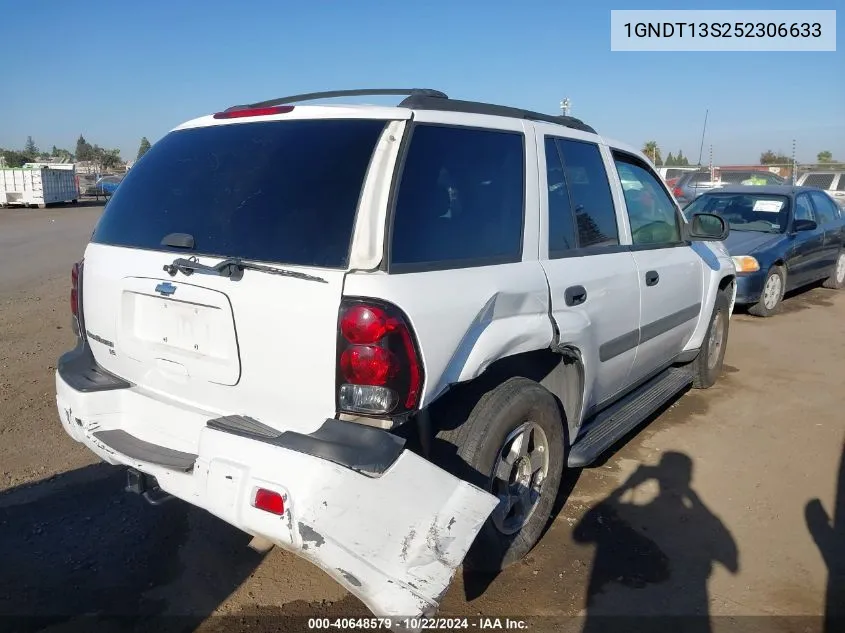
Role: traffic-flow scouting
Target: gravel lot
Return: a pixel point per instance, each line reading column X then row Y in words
column 724, row 532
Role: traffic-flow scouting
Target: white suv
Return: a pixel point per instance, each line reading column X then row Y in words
column 375, row 336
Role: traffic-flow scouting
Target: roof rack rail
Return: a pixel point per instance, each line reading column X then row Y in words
column 364, row 92
column 425, row 102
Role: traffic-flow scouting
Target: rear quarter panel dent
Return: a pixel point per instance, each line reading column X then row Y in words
column 466, row 319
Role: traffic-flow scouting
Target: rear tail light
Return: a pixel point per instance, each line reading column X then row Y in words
column 236, row 113
column 677, row 192
column 76, row 289
column 379, row 371
column 269, row 501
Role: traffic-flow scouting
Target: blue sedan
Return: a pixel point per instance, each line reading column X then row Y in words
column 781, row 238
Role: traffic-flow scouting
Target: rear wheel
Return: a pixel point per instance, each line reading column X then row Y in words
column 772, row 295
column 513, row 445
column 836, row 281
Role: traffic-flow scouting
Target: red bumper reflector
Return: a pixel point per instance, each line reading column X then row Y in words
column 269, row 501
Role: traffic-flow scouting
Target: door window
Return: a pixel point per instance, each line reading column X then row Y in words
column 562, row 236
column 589, row 193
column 461, row 198
column 824, row 207
column 651, row 213
column 803, row 208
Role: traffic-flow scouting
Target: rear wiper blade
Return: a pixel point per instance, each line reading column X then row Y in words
column 233, row 268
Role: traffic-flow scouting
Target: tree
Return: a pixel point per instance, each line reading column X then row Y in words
column 105, row 158
column 144, row 148
column 670, row 160
column 652, row 150
column 14, row 158
column 824, row 157
column 61, row 154
column 771, row 158
column 681, row 160
column 30, row 149
column 84, row 151
column 111, row 159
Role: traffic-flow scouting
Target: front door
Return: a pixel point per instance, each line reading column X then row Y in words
column 669, row 272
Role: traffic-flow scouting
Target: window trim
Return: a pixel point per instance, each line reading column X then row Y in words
column 582, row 251
column 392, row 268
column 615, row 152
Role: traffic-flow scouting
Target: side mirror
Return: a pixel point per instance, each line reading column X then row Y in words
column 804, row 225
column 708, row 227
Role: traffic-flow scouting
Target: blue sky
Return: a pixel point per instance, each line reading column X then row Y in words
column 117, row 71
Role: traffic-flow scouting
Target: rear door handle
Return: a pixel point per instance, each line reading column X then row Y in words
column 575, row 295
column 651, row 278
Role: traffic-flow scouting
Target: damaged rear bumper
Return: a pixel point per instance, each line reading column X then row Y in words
column 387, row 524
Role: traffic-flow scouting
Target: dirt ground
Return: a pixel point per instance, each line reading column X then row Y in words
column 718, row 524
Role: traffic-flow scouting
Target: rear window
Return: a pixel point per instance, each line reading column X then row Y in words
column 279, row 192
column 700, row 177
column 822, row 181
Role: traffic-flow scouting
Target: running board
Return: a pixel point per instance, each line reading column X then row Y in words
column 622, row 417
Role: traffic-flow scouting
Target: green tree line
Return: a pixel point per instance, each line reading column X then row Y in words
column 102, row 157
column 769, row 157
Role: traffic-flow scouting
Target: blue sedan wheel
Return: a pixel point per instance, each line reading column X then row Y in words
column 836, row 280
column 772, row 295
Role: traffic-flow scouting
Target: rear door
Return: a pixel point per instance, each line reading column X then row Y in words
column 592, row 278
column 280, row 192
column 828, row 217
column 806, row 252
column 669, row 271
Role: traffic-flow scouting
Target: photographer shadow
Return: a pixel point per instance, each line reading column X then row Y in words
column 653, row 559
column 828, row 532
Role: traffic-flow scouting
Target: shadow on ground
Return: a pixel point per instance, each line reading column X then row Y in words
column 828, row 532
column 655, row 549
column 77, row 546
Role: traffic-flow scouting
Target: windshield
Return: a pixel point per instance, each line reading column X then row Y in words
column 745, row 212
column 279, row 191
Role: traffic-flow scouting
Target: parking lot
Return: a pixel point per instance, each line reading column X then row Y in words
column 724, row 533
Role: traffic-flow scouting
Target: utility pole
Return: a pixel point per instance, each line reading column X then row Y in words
column 701, row 147
column 794, row 164
column 712, row 170
column 565, row 106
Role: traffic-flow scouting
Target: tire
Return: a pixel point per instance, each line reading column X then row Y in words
column 491, row 426
column 836, row 281
column 776, row 279
column 707, row 366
